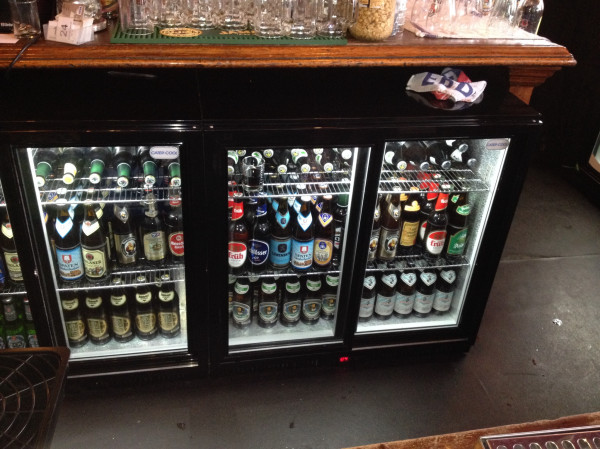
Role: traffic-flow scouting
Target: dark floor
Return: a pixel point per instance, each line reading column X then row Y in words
column 537, row 356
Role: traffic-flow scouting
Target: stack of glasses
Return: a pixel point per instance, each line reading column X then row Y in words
column 298, row 19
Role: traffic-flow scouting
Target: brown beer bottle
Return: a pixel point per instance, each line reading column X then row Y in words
column 386, row 295
column 405, row 293
column 238, row 239
column 312, row 301
column 68, row 249
column 425, row 290
column 303, row 237
column 376, row 228
column 146, row 326
column 409, row 226
column 96, row 318
column 435, row 230
column 324, row 234
column 292, row 302
column 329, row 297
column 11, row 258
column 174, row 227
column 241, row 304
column 169, row 323
column 367, row 300
column 426, row 209
column 126, row 245
column 268, row 303
column 74, row 318
column 390, row 223
column 120, row 314
column 444, row 291
column 94, row 247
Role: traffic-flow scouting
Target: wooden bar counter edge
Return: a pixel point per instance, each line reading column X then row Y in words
column 530, row 62
column 470, row 439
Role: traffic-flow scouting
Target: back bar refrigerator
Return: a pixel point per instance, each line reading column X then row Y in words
column 105, row 195
column 330, row 243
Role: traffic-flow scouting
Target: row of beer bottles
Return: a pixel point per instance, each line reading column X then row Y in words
column 287, row 300
column 305, row 236
column 416, row 292
column 122, row 313
column 427, row 155
column 292, row 165
column 17, row 329
column 87, row 249
column 432, row 222
column 96, row 162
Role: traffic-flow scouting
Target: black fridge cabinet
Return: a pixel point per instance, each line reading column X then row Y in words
column 354, row 118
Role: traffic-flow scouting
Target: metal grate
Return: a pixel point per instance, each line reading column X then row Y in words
column 461, row 180
column 572, row 438
column 31, row 384
column 413, row 262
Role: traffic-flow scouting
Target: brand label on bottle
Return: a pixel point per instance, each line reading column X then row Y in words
column 373, row 243
column 176, row 243
column 97, row 327
column 370, row 282
column 241, row 313
column 312, row 285
column 13, row 266
column 10, row 312
column 168, row 321
column 442, row 300
column 64, row 227
column 322, row 251
column 408, row 237
column 448, row 275
column 121, row 326
column 428, row 278
column 154, row 245
column 93, row 302
column 118, row 300
column 404, row 303
column 388, row 243
column 70, row 171
column 423, row 302
column 241, row 289
column 291, row 310
column 126, row 246
column 15, row 341
column 302, row 254
column 75, row 330
column 434, row 242
column 94, row 261
column 292, row 287
column 145, row 322
column 267, row 311
column 143, row 298
column 89, row 227
column 238, row 252
column 305, row 222
column 384, row 305
column 280, row 251
column 366, row 307
column 464, row 210
column 457, row 242
column 328, row 305
column 408, row 278
column 394, row 212
column 70, row 263
column 32, row 341
column 325, row 219
column 389, row 279
column 259, row 252
column 311, row 308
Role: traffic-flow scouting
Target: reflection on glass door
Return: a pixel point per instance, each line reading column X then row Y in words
column 287, row 221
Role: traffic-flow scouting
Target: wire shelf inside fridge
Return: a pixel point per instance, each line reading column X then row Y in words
column 11, row 289
column 331, row 183
column 415, row 262
column 461, row 180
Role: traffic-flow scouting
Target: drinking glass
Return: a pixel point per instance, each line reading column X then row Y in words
column 434, row 17
column 136, row 17
column 303, row 19
column 502, row 18
column 335, row 16
column 201, row 14
column 173, row 13
column 269, row 19
column 25, row 18
column 253, row 170
column 231, row 15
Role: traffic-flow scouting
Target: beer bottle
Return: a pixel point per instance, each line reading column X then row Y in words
column 71, row 162
column 268, row 305
column 280, row 247
column 424, row 293
column 169, row 322
column 238, row 239
column 426, row 209
column 146, row 326
column 126, row 246
column 241, row 304
column 324, row 235
column 339, row 225
column 13, row 326
column 120, row 313
column 386, row 294
column 444, row 290
column 367, row 299
column 77, row 334
column 390, row 223
column 393, row 156
column 106, row 226
column 301, row 160
column 11, row 258
column 292, row 302
column 46, row 164
column 96, row 318
column 148, row 166
column 280, row 161
column 328, row 160
column 464, row 158
column 415, row 154
column 405, row 293
column 409, row 225
column 2, row 273
column 329, row 296
column 230, row 286
column 2, row 332
column 99, row 158
column 67, row 246
column 93, row 247
column 346, row 155
column 174, row 227
column 259, row 243
column 375, row 229
column 122, row 162
column 30, row 330
column 439, row 154
column 173, row 169
column 250, row 206
column 152, row 233
column 255, row 284
column 232, row 166
column 459, row 210
column 312, row 300
column 435, row 230
column 303, row 237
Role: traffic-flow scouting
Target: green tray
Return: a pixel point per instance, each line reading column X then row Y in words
column 215, row 37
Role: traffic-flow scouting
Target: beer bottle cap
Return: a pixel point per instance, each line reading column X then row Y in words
column 123, row 173
column 96, row 170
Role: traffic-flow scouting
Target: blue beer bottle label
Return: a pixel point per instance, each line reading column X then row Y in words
column 302, row 254
column 258, row 252
column 70, row 263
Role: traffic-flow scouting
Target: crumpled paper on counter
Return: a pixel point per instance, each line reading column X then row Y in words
column 452, row 84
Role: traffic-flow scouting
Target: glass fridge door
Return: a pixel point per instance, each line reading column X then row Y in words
column 17, row 329
column 115, row 238
column 433, row 204
column 288, row 208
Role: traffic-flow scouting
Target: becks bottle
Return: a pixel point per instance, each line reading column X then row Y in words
column 459, row 210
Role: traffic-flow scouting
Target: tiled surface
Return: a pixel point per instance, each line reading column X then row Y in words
column 523, row 367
